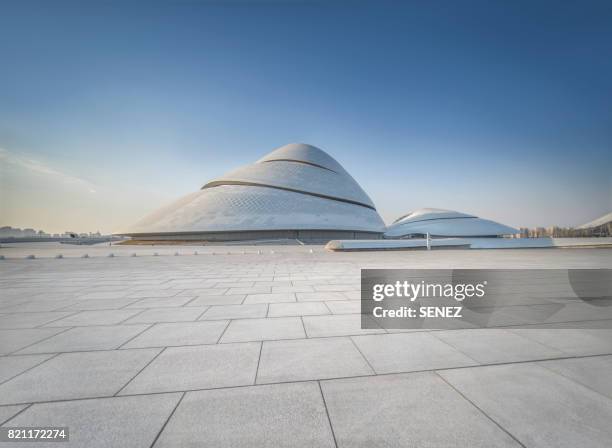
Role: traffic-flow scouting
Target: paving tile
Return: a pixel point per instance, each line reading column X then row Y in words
column 29, row 320
column 496, row 345
column 264, row 329
column 318, row 296
column 178, row 314
column 179, row 333
column 309, row 359
column 593, row 371
column 337, row 288
column 234, row 299
column 344, row 306
column 6, row 412
column 106, row 337
column 37, row 306
column 198, row 367
column 297, row 309
column 409, row 410
column 160, row 302
column 99, row 304
column 236, row 284
column 102, row 317
column 12, row 340
column 279, row 289
column 270, row 298
column 93, row 295
column 11, row 366
column 250, row 290
column 409, row 352
column 235, row 311
column 152, row 293
column 539, row 407
column 273, row 416
column 336, row 325
column 204, row 292
column 76, row 375
column 103, row 422
column 573, row 341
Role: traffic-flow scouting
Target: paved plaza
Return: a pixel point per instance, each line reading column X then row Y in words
column 263, row 346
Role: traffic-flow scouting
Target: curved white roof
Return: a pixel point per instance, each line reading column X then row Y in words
column 296, row 187
column 307, row 154
column 605, row 219
column 439, row 222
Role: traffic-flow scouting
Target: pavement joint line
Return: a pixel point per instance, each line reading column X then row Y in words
column 455, row 348
column 19, row 412
column 304, row 327
column 178, row 403
column 258, row 361
column 135, row 336
column 331, row 426
column 206, row 308
column 126, row 305
column 480, row 410
column 30, row 368
column 140, row 371
column 133, row 315
column 223, row 332
column 34, row 343
column 542, row 363
column 329, row 309
column 443, row 369
column 362, row 355
column 55, row 320
column 186, row 304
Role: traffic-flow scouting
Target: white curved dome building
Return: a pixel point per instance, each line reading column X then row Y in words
column 296, row 191
column 445, row 223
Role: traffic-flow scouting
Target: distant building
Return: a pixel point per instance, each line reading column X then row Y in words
column 297, row 191
column 445, row 223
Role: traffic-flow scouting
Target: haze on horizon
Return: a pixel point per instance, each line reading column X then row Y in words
column 108, row 110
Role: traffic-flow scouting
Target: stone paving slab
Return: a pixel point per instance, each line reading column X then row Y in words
column 592, row 372
column 336, row 325
column 179, row 333
column 178, row 314
column 76, row 375
column 310, row 359
column 216, row 312
column 538, row 406
column 11, row 366
column 229, row 299
column 6, row 412
column 409, row 352
column 491, row 345
column 30, row 320
column 13, row 340
column 274, row 416
column 198, row 367
column 298, row 309
column 87, row 318
column 89, row 338
column 264, row 329
column 572, row 341
column 416, row 410
column 116, row 422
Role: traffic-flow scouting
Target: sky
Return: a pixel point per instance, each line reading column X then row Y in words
column 109, row 110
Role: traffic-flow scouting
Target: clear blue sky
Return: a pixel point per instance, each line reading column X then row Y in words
column 502, row 109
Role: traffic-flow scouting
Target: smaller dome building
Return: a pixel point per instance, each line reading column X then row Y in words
column 445, row 223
